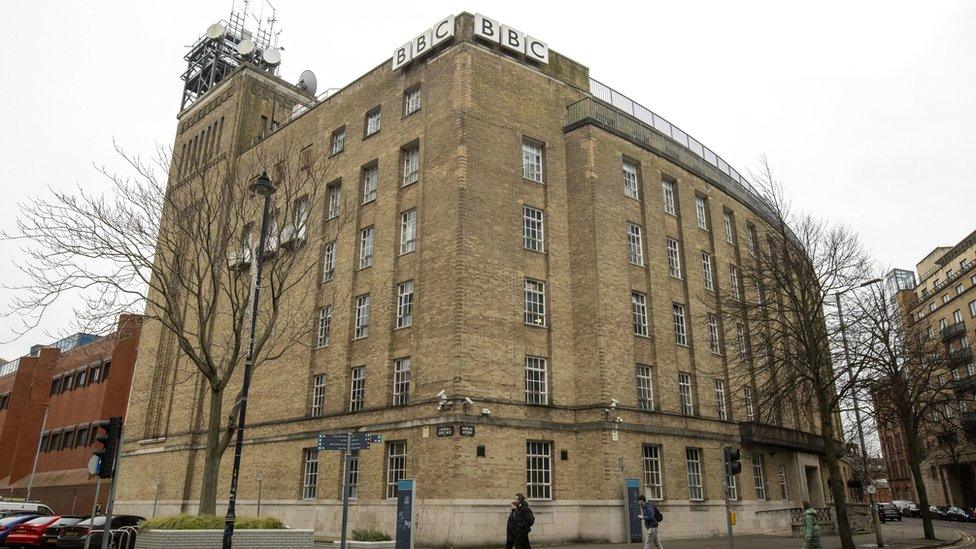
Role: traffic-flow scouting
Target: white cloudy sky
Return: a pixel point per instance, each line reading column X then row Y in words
column 865, row 108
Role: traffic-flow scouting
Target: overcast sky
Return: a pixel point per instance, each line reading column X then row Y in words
column 865, row 109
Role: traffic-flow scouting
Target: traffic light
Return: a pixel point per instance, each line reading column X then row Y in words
column 110, row 441
column 732, row 457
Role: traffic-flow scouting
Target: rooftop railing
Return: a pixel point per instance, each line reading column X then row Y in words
column 9, row 367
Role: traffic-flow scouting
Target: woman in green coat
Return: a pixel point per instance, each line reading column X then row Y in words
column 811, row 528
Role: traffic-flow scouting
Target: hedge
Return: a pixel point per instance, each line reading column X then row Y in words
column 370, row 535
column 210, row 522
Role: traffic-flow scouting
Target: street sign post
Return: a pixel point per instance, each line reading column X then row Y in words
column 346, row 442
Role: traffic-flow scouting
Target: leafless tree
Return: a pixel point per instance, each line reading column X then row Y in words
column 786, row 329
column 174, row 240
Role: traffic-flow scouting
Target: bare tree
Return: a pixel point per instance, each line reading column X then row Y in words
column 786, row 328
column 181, row 255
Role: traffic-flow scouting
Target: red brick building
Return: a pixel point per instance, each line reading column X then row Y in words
column 77, row 381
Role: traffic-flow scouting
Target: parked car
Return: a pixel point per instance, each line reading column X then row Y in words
column 888, row 511
column 10, row 508
column 959, row 514
column 76, row 534
column 938, row 512
column 911, row 510
column 38, row 532
column 7, row 525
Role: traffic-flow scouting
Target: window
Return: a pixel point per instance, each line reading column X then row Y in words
column 533, row 229
column 325, row 326
column 44, row 442
column 653, row 485
column 538, row 470
column 972, row 309
column 684, row 389
column 69, row 438
column 372, row 121
column 94, row 374
column 55, row 441
column 635, row 244
column 638, row 303
column 106, row 366
column 733, row 486
column 338, row 140
column 696, row 491
column 957, row 316
column 734, row 282
column 68, row 382
column 370, row 177
column 707, row 271
column 701, row 213
column 532, row 161
column 79, row 378
column 318, row 396
column 411, row 165
column 366, row 248
column 404, row 304
column 750, row 405
column 310, row 473
column 720, row 403
column 713, row 338
column 757, row 473
column 945, row 298
column 680, row 334
column 401, row 381
column 667, row 192
column 335, row 200
column 396, row 466
column 328, row 261
column 960, row 289
column 536, row 382
column 82, row 439
column 408, row 231
column 674, row 259
column 784, row 490
column 740, row 339
column 752, row 240
column 352, row 474
column 535, row 302
column 729, row 235
column 362, row 316
column 631, row 188
column 411, row 101
column 56, row 385
column 357, row 388
column 645, row 387
column 931, row 307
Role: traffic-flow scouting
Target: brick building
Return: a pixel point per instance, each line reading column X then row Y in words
column 525, row 237
column 78, row 381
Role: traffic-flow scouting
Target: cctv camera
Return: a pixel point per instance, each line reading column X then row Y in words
column 467, row 400
column 485, row 412
column 442, row 395
column 613, row 403
column 619, row 420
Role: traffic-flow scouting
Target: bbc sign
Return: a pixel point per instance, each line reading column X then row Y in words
column 485, row 28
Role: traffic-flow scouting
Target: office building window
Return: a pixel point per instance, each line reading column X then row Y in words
column 532, row 161
column 680, row 333
column 757, row 472
column 535, row 302
column 696, row 490
column 784, row 489
column 411, row 101
column 684, row 391
column 653, row 484
column 720, row 403
column 335, row 200
column 734, row 282
column 325, row 326
column 318, row 395
column 631, row 187
column 701, row 213
column 372, row 121
column 536, row 381
column 352, row 474
column 533, row 229
column 729, row 235
column 638, row 303
column 408, row 231
column 328, row 261
column 740, row 340
column 56, row 385
column 362, row 317
column 411, row 165
column 401, row 381
column 310, row 473
column 404, row 304
column 960, row 289
column 338, row 140
column 538, row 470
column 635, row 244
column 750, row 405
column 751, row 236
column 645, row 387
column 674, row 258
column 667, row 196
column 396, row 466
column 972, row 309
column 713, row 335
column 733, row 486
column 366, row 248
column 357, row 388
column 957, row 316
column 706, row 260
column 370, row 177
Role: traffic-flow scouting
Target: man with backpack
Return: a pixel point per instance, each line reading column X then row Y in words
column 651, row 516
column 520, row 522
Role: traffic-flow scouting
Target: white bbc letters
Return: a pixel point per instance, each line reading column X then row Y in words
column 513, row 39
column 487, row 28
column 424, row 42
column 402, row 55
column 443, row 30
column 536, row 49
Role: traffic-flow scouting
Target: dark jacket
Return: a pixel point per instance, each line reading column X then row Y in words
column 520, row 521
column 647, row 511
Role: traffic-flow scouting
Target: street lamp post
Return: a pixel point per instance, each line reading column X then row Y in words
column 262, row 186
column 857, row 413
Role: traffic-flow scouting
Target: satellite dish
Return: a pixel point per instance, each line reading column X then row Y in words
column 271, row 56
column 307, row 82
column 245, row 47
column 215, row 31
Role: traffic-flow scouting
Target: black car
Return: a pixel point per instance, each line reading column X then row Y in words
column 75, row 535
column 911, row 510
column 888, row 511
column 50, row 537
column 959, row 515
column 938, row 512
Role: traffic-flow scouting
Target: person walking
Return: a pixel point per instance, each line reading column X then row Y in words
column 811, row 527
column 520, row 522
column 651, row 517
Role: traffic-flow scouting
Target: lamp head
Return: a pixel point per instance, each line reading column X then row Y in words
column 262, row 186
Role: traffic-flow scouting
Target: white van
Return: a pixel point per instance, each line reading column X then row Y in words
column 8, row 507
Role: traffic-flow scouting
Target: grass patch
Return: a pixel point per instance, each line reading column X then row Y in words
column 210, row 522
column 368, row 534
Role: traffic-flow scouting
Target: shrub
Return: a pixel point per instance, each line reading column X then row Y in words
column 368, row 534
column 210, row 522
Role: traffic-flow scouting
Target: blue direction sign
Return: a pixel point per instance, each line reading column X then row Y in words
column 632, row 491
column 406, row 493
column 356, row 441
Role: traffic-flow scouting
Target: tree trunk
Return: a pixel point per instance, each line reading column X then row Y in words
column 836, row 480
column 212, row 455
column 914, row 463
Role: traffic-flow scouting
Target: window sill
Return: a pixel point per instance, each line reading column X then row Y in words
column 411, row 113
column 645, row 336
column 641, row 265
column 408, row 252
column 542, row 182
column 337, row 153
column 317, row 347
column 534, row 325
column 404, row 185
column 540, row 252
column 360, row 337
column 365, row 202
column 398, row 328
column 368, row 135
column 363, row 268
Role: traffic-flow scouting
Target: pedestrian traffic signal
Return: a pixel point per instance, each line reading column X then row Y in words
column 732, row 457
column 110, row 441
